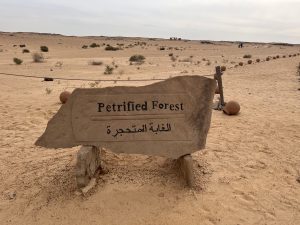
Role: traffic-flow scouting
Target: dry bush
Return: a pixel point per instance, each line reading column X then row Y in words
column 249, row 61
column 283, row 56
column 84, row 46
column 162, row 48
column 137, row 58
column 111, row 48
column 208, row 63
column 95, row 63
column 44, row 48
column 22, row 46
column 223, row 68
column 38, row 57
column 274, row 57
column 108, row 69
column 186, row 60
column 173, row 58
column 59, row 64
column 94, row 45
column 17, row 61
column 247, row 56
column 258, row 60
column 48, row 90
column 277, row 56
column 268, row 59
column 290, row 55
column 25, row 51
column 241, row 63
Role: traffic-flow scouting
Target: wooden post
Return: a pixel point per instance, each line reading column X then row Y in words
column 218, row 77
column 186, row 167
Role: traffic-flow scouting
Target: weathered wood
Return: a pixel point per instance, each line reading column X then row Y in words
column 88, row 162
column 218, row 77
column 186, row 167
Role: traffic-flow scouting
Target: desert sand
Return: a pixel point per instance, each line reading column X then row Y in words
column 249, row 172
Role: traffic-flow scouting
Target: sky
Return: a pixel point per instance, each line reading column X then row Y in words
column 230, row 20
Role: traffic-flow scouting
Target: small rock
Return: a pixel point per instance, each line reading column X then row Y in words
column 298, row 179
column 11, row 195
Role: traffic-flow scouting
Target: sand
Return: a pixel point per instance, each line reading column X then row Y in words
column 246, row 175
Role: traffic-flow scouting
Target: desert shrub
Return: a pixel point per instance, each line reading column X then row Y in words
column 94, row 45
column 38, row 57
column 208, row 63
column 162, row 48
column 44, row 48
column 48, row 91
column 268, row 59
column 108, row 69
column 249, row 61
column 26, row 51
column 274, row 57
column 186, row 60
column 22, row 46
column 59, row 64
column 295, row 55
column 84, row 46
column 223, row 68
column 111, row 48
column 137, row 58
column 241, row 63
column 170, row 54
column 258, row 60
column 277, row 56
column 96, row 63
column 247, row 56
column 173, row 58
column 18, row 61
column 207, row 42
column 283, row 56
column 290, row 55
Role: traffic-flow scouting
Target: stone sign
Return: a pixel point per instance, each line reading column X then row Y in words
column 170, row 118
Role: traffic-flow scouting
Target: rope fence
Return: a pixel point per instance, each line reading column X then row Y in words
column 82, row 79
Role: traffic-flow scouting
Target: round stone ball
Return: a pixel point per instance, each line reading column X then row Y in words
column 231, row 108
column 223, row 68
column 64, row 96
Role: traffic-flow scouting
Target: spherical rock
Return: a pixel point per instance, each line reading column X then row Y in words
column 64, row 96
column 223, row 68
column 231, row 108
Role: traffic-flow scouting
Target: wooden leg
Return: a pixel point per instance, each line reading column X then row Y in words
column 186, row 167
column 88, row 161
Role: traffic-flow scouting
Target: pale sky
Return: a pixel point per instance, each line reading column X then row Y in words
column 246, row 20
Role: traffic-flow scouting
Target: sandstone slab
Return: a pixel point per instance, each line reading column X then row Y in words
column 169, row 118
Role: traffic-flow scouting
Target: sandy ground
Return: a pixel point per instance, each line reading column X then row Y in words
column 246, row 175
